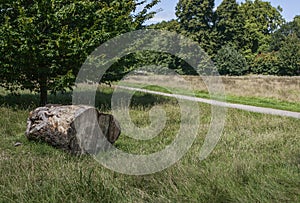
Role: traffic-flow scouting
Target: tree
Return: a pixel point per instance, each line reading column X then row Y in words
column 46, row 41
column 196, row 20
column 286, row 44
column 261, row 20
column 289, row 56
column 228, row 24
column 230, row 62
column 280, row 36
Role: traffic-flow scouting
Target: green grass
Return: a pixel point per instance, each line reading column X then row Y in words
column 256, row 160
column 253, row 101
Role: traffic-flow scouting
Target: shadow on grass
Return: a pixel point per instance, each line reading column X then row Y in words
column 27, row 101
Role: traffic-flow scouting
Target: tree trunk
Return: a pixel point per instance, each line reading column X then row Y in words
column 77, row 129
column 43, row 92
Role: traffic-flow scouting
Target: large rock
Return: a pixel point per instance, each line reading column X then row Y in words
column 77, row 129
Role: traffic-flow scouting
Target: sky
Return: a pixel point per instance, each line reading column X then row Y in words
column 291, row 8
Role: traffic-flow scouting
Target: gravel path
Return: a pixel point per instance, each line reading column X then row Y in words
column 223, row 104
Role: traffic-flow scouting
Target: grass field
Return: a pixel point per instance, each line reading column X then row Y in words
column 256, row 160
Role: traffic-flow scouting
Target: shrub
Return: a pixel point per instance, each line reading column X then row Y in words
column 230, row 62
column 266, row 64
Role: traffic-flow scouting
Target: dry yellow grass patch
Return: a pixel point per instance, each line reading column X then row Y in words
column 280, row 88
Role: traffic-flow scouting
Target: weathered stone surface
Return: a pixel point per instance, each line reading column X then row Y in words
column 77, row 129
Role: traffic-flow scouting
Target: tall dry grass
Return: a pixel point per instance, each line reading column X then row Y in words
column 273, row 87
column 281, row 88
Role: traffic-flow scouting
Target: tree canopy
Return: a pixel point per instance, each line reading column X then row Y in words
column 254, row 29
column 46, row 41
column 230, row 62
column 228, row 23
column 261, row 19
column 195, row 19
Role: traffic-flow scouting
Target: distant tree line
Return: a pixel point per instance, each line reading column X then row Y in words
column 246, row 38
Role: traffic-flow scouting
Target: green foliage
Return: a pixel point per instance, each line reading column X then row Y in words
column 144, row 14
column 195, row 18
column 228, row 23
column 266, row 64
column 289, row 56
column 195, row 15
column 171, row 25
column 279, row 37
column 286, row 42
column 261, row 20
column 45, row 42
column 154, row 62
column 230, row 62
column 248, row 27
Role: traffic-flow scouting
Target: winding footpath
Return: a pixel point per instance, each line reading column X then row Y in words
column 219, row 103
